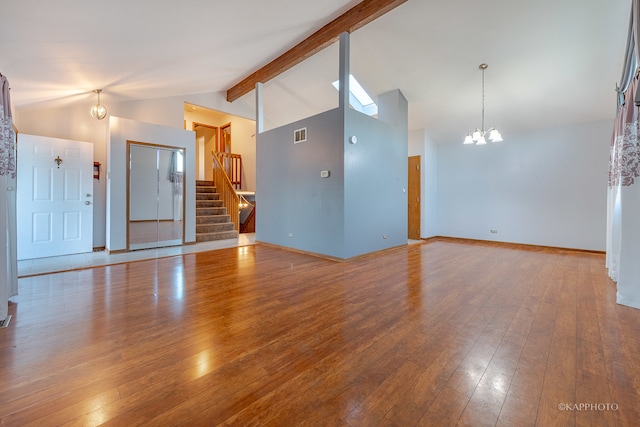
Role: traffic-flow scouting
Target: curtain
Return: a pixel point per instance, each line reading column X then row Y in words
column 8, row 258
column 630, row 60
column 623, row 243
column 613, row 200
column 623, row 195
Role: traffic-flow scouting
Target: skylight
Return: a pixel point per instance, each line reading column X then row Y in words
column 358, row 97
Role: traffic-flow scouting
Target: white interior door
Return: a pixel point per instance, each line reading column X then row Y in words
column 55, row 199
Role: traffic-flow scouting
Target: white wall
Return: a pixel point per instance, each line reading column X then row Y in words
column 429, row 227
column 422, row 144
column 545, row 187
column 122, row 130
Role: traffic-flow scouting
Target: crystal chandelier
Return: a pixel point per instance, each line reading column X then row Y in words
column 478, row 136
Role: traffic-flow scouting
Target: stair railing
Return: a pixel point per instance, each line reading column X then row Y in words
column 227, row 192
column 232, row 164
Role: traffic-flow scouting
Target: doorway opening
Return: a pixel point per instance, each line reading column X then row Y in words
column 225, row 143
column 206, row 143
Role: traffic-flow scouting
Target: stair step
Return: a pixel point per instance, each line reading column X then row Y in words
column 211, row 211
column 206, row 190
column 207, row 196
column 220, row 235
column 213, row 228
column 208, row 203
column 212, row 219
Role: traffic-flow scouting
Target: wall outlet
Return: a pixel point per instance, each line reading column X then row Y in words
column 494, row 231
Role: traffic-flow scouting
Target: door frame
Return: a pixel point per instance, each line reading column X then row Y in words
column 222, row 147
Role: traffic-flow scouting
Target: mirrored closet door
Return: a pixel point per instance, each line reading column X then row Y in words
column 156, row 202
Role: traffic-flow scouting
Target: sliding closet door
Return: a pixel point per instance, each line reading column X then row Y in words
column 155, row 196
column 143, row 197
column 170, row 199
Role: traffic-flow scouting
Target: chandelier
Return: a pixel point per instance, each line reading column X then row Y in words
column 478, row 136
column 98, row 111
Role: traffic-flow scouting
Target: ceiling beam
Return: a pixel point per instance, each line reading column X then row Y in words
column 356, row 17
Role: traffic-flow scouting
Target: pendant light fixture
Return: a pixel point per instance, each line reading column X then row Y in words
column 478, row 136
column 98, row 111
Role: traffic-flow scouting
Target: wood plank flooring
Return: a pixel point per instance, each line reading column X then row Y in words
column 444, row 333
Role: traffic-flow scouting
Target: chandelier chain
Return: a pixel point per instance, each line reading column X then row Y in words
column 482, row 68
column 479, row 135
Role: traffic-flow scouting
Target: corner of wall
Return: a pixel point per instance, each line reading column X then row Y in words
column 376, row 177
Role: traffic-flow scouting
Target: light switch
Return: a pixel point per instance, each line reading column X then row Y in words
column 324, row 174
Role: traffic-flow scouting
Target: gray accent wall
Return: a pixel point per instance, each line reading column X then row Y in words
column 295, row 206
column 376, row 177
column 361, row 207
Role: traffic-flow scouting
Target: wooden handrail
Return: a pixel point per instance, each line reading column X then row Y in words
column 232, row 165
column 227, row 193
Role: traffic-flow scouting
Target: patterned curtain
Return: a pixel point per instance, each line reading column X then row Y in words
column 623, row 195
column 624, row 160
column 7, row 134
column 623, row 210
column 8, row 263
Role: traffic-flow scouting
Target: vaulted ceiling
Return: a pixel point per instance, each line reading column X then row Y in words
column 551, row 62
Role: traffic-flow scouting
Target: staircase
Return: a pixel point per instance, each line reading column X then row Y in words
column 212, row 221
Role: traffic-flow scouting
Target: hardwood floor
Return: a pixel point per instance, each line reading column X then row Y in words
column 442, row 333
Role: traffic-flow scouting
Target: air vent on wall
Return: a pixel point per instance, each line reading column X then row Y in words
column 299, row 135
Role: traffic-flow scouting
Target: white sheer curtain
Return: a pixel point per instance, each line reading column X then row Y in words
column 8, row 263
column 613, row 202
column 623, row 196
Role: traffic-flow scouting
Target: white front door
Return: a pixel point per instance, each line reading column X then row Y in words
column 55, row 197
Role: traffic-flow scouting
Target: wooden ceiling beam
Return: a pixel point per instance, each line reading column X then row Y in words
column 356, row 17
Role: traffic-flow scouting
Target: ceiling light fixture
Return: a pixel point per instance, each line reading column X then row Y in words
column 478, row 136
column 98, row 111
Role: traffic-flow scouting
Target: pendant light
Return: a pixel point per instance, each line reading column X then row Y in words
column 478, row 136
column 98, row 111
